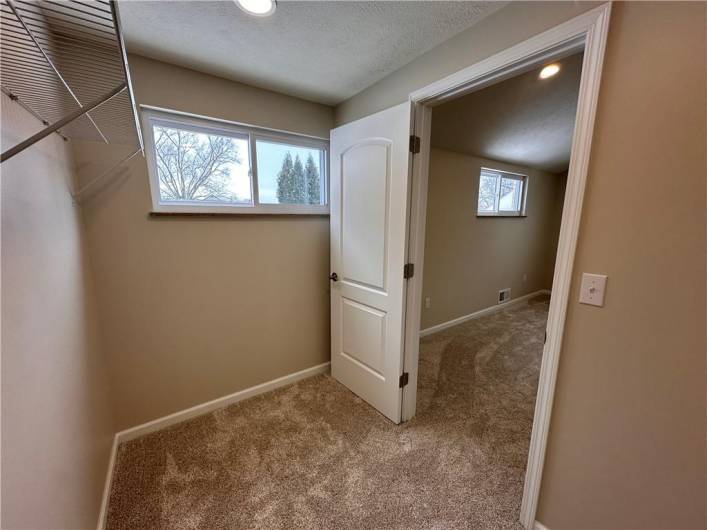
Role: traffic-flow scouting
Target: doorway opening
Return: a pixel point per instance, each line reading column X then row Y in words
column 498, row 164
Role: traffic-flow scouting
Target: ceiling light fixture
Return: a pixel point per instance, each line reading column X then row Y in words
column 549, row 70
column 258, row 8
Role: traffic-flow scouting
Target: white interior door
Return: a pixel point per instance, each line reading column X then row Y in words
column 370, row 161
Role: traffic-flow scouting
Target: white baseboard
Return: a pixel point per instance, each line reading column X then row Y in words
column 198, row 410
column 481, row 313
column 209, row 406
column 106, row 488
column 539, row 526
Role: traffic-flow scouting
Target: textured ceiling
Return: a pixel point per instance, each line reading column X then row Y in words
column 523, row 120
column 324, row 51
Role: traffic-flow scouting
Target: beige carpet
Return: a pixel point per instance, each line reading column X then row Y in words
column 313, row 455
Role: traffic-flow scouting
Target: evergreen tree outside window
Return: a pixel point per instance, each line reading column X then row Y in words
column 299, row 190
column 311, row 174
column 289, row 174
column 286, row 181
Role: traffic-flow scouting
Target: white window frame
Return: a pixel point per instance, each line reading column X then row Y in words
column 507, row 175
column 151, row 115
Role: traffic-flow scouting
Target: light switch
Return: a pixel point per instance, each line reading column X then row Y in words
column 592, row 290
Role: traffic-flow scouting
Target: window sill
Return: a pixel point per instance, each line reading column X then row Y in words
column 235, row 215
column 231, row 210
column 501, row 216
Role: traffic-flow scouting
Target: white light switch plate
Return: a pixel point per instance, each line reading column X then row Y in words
column 592, row 290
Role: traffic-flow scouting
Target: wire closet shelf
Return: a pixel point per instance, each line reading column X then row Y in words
column 64, row 61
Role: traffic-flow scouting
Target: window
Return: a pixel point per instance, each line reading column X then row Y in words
column 198, row 165
column 501, row 193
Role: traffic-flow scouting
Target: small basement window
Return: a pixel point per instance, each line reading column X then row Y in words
column 501, row 194
column 198, row 165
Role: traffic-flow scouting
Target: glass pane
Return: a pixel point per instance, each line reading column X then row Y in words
column 289, row 174
column 510, row 195
column 200, row 167
column 488, row 183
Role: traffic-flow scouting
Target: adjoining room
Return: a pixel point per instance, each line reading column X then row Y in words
column 496, row 186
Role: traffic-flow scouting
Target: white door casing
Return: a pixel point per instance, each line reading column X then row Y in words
column 369, row 199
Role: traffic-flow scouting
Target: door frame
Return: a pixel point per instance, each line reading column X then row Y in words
column 587, row 32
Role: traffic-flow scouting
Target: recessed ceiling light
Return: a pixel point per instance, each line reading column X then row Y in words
column 549, row 70
column 259, row 8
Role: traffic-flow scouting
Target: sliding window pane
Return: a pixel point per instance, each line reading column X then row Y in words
column 488, row 193
column 201, row 167
column 510, row 195
column 289, row 174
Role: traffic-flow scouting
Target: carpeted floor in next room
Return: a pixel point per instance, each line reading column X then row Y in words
column 313, row 455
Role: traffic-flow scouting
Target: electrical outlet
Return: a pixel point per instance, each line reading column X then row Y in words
column 525, row 277
column 504, row 295
column 428, row 302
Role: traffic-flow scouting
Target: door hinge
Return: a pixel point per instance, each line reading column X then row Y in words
column 408, row 270
column 404, row 379
column 414, row 144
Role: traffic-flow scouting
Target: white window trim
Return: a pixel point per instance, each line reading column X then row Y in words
column 149, row 115
column 504, row 213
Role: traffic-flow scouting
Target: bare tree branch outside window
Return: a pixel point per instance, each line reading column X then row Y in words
column 195, row 166
column 487, row 194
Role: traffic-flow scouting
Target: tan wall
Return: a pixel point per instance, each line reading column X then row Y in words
column 627, row 438
column 57, row 425
column 172, row 87
column 197, row 308
column 468, row 259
